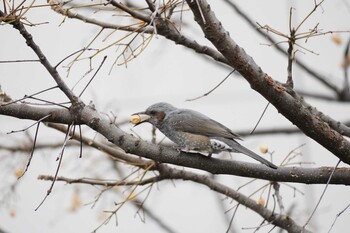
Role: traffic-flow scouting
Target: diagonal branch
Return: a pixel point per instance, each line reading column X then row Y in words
column 132, row 12
column 278, row 95
column 43, row 60
column 313, row 73
column 164, row 28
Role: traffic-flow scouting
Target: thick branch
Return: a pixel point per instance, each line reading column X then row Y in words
column 26, row 111
column 288, row 105
column 163, row 154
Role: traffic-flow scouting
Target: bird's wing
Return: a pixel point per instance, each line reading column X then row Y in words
column 194, row 122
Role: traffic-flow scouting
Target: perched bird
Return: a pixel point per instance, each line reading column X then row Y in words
column 192, row 130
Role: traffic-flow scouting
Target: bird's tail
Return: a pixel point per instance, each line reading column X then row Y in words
column 236, row 147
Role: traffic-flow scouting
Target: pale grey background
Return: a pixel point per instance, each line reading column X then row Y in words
column 167, row 72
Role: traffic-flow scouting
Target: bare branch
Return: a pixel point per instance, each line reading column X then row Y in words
column 209, row 92
column 321, row 197
column 26, row 111
column 282, row 221
column 59, row 158
column 74, row 15
column 104, row 59
column 167, row 172
column 92, row 181
column 115, row 153
column 32, row 152
column 164, row 154
column 312, row 72
column 164, row 28
column 132, row 12
column 337, row 216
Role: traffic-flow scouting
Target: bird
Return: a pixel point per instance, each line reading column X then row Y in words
column 194, row 131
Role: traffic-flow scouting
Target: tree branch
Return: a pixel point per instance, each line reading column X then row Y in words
column 52, row 70
column 116, row 153
column 283, row 221
column 101, row 182
column 164, row 28
column 164, row 154
column 166, row 172
column 313, row 73
column 278, row 95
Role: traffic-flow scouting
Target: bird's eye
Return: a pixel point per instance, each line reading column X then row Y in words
column 152, row 112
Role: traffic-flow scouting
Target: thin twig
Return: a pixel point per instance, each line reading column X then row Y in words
column 337, row 216
column 80, row 142
column 132, row 12
column 72, row 54
column 34, row 143
column 59, row 158
column 346, row 88
column 209, row 92
column 38, row 121
column 29, row 96
column 115, row 152
column 98, row 69
column 32, row 152
column 231, row 220
column 17, row 61
column 321, row 197
column 201, row 12
column 101, row 182
column 48, row 102
column 261, row 116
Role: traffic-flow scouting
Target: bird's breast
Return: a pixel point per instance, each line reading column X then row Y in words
column 190, row 141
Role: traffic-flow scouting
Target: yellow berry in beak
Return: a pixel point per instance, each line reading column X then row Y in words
column 135, row 119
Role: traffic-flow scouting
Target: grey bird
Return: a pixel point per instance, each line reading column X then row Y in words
column 192, row 130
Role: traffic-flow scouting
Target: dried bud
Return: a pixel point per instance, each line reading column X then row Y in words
column 19, row 172
column 261, row 201
column 264, row 149
column 336, row 39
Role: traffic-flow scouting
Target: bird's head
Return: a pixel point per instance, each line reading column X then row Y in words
column 154, row 114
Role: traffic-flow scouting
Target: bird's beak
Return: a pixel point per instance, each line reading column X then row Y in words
column 139, row 118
